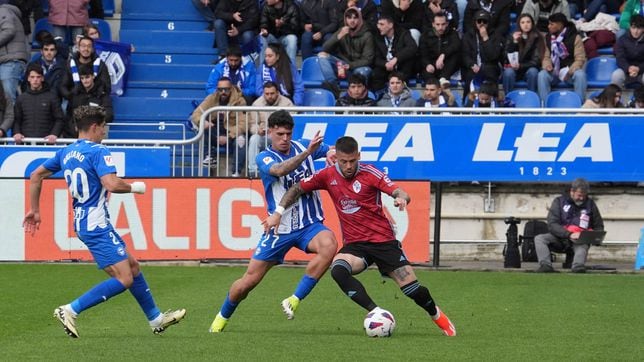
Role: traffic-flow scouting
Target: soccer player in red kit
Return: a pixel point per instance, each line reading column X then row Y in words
column 368, row 236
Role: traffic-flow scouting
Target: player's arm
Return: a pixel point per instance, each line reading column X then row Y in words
column 31, row 222
column 117, row 185
column 283, row 168
column 401, row 198
column 289, row 198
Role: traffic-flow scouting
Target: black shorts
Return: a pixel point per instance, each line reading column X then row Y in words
column 388, row 256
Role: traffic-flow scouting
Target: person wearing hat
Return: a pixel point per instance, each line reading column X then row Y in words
column 498, row 10
column 482, row 53
column 564, row 58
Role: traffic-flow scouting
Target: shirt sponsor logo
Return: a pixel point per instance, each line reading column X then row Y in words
column 349, row 206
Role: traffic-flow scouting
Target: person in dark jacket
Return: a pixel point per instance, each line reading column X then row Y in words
column 238, row 21
column 435, row 7
column 357, row 94
column 88, row 93
column 368, row 12
column 52, row 65
column 395, row 51
column 525, row 49
column 85, row 55
column 408, row 14
column 440, row 49
column 499, row 11
column 319, row 20
column 482, row 53
column 6, row 115
column 280, row 23
column 629, row 52
column 568, row 215
column 37, row 112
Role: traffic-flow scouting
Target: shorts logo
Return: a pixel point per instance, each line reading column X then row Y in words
column 120, row 251
column 357, row 187
column 108, row 160
column 267, row 160
column 257, row 251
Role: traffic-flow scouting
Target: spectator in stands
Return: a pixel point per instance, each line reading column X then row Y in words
column 37, row 112
column 638, row 99
column 350, row 49
column 14, row 54
column 498, row 11
column 67, row 15
column 398, row 95
column 52, row 65
column 434, row 96
column 525, row 49
column 280, row 23
column 90, row 30
column 368, row 11
column 448, row 8
column 237, row 21
column 631, row 7
column 233, row 67
column 568, row 215
column 593, row 8
column 257, row 142
column 564, row 58
column 278, row 68
column 610, row 97
column 62, row 50
column 88, row 93
column 319, row 22
column 487, row 96
column 6, row 115
column 629, row 52
column 85, row 55
column 207, row 9
column 222, row 127
column 357, row 95
column 540, row 10
column 27, row 7
column 395, row 50
column 482, row 53
column 407, row 14
column 440, row 49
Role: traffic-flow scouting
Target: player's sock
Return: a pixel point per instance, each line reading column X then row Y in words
column 143, row 296
column 305, row 286
column 100, row 293
column 341, row 273
column 228, row 308
column 421, row 296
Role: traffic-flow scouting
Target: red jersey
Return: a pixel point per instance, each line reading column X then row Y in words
column 357, row 201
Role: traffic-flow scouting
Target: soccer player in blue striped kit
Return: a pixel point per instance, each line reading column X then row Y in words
column 90, row 173
column 281, row 165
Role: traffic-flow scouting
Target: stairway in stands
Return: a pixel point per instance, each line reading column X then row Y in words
column 168, row 70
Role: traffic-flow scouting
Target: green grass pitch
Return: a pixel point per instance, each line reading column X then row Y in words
column 498, row 316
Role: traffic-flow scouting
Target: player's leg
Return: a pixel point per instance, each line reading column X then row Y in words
column 141, row 292
column 324, row 245
column 239, row 290
column 351, row 260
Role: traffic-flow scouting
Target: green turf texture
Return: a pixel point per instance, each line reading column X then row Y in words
column 499, row 316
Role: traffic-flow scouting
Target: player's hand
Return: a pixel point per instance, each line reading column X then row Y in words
column 400, row 203
column 271, row 222
column 31, row 223
column 331, row 157
column 316, row 141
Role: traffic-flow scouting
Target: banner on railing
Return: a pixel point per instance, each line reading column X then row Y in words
column 491, row 148
column 182, row 219
column 20, row 161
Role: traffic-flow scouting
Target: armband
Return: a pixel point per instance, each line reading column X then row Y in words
column 279, row 209
column 137, row 187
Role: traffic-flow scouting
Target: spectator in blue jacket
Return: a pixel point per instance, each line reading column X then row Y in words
column 278, row 68
column 240, row 73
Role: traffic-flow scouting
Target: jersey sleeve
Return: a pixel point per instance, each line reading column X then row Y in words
column 314, row 182
column 103, row 162
column 53, row 164
column 264, row 161
column 386, row 185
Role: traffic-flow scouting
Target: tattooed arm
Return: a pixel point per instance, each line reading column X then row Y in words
column 401, row 198
column 289, row 198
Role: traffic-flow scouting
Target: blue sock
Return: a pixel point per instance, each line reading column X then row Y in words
column 100, row 293
column 142, row 294
column 305, row 286
column 228, row 308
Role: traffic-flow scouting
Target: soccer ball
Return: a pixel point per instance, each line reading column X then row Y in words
column 379, row 323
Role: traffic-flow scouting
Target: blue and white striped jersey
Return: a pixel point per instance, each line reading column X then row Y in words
column 308, row 209
column 83, row 163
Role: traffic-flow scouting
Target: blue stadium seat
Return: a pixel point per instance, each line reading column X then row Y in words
column 311, row 73
column 103, row 28
column 563, row 99
column 599, row 71
column 415, row 94
column 524, row 98
column 160, row 10
column 318, row 97
column 109, row 7
column 458, row 98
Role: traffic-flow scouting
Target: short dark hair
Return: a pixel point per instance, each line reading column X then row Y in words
column 33, row 67
column 270, row 84
column 396, row 74
column 580, row 184
column 387, row 18
column 489, row 87
column 637, row 21
column 48, row 40
column 281, row 118
column 638, row 95
column 86, row 69
column 356, row 78
column 234, row 51
column 433, row 81
column 558, row 18
column 86, row 116
column 346, row 144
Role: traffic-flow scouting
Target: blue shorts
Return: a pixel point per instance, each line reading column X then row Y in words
column 273, row 247
column 106, row 246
